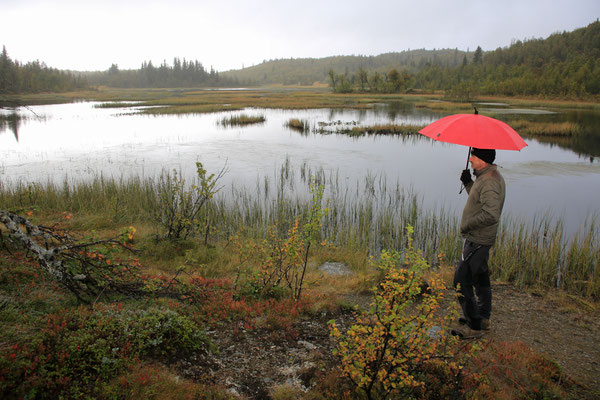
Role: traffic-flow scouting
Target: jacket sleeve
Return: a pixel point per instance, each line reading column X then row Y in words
column 491, row 207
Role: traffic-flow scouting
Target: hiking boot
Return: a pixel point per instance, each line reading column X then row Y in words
column 485, row 324
column 464, row 332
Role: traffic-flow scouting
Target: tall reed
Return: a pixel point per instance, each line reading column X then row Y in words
column 539, row 254
column 367, row 215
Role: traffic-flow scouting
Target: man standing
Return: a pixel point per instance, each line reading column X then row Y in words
column 479, row 226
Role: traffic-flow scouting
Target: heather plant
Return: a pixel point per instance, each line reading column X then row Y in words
column 512, row 370
column 387, row 352
column 154, row 381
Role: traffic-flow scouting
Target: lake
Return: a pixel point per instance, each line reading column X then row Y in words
column 80, row 141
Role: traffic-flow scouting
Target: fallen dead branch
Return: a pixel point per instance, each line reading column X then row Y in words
column 82, row 267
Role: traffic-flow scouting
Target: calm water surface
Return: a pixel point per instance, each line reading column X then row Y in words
column 79, row 141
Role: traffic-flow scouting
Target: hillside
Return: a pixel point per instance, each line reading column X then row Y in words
column 306, row 71
column 566, row 64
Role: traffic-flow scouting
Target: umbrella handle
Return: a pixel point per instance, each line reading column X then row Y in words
column 462, row 187
column 468, row 156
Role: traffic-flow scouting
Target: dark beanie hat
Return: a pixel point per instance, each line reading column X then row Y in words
column 487, row 155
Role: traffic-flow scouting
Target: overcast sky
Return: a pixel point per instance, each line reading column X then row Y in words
column 91, row 35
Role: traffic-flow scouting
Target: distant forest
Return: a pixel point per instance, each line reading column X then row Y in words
column 565, row 64
column 180, row 74
column 35, row 77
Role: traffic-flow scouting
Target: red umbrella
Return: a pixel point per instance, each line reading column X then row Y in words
column 474, row 130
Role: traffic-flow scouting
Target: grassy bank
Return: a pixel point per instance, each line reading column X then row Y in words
column 363, row 218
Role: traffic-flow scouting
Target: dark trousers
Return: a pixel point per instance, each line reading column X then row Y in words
column 472, row 273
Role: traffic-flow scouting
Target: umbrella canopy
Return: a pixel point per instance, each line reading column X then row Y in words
column 474, row 130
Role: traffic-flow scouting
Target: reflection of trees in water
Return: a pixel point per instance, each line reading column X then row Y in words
column 587, row 143
column 11, row 122
column 584, row 145
column 390, row 110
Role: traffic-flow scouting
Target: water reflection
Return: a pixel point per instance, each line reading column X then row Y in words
column 10, row 122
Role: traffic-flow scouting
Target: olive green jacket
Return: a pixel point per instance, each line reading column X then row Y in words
column 481, row 216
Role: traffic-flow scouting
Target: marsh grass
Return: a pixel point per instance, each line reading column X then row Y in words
column 189, row 109
column 363, row 218
column 185, row 100
column 242, row 120
column 387, row 129
column 194, row 101
column 551, row 129
column 543, row 102
column 539, row 255
column 447, row 106
column 299, row 125
column 352, row 128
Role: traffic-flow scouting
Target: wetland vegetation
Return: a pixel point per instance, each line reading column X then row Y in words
column 242, row 120
column 217, row 281
column 180, row 288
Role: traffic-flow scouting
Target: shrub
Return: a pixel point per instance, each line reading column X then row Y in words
column 392, row 346
column 77, row 350
column 179, row 206
column 283, row 258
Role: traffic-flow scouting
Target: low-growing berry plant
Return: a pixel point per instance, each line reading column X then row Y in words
column 75, row 351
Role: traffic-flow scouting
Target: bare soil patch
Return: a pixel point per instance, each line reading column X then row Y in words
column 567, row 335
column 250, row 363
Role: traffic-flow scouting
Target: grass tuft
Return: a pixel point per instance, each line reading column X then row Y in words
column 552, row 129
column 242, row 120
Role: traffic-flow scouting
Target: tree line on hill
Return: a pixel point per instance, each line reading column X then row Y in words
column 563, row 65
column 306, row 71
column 35, row 77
